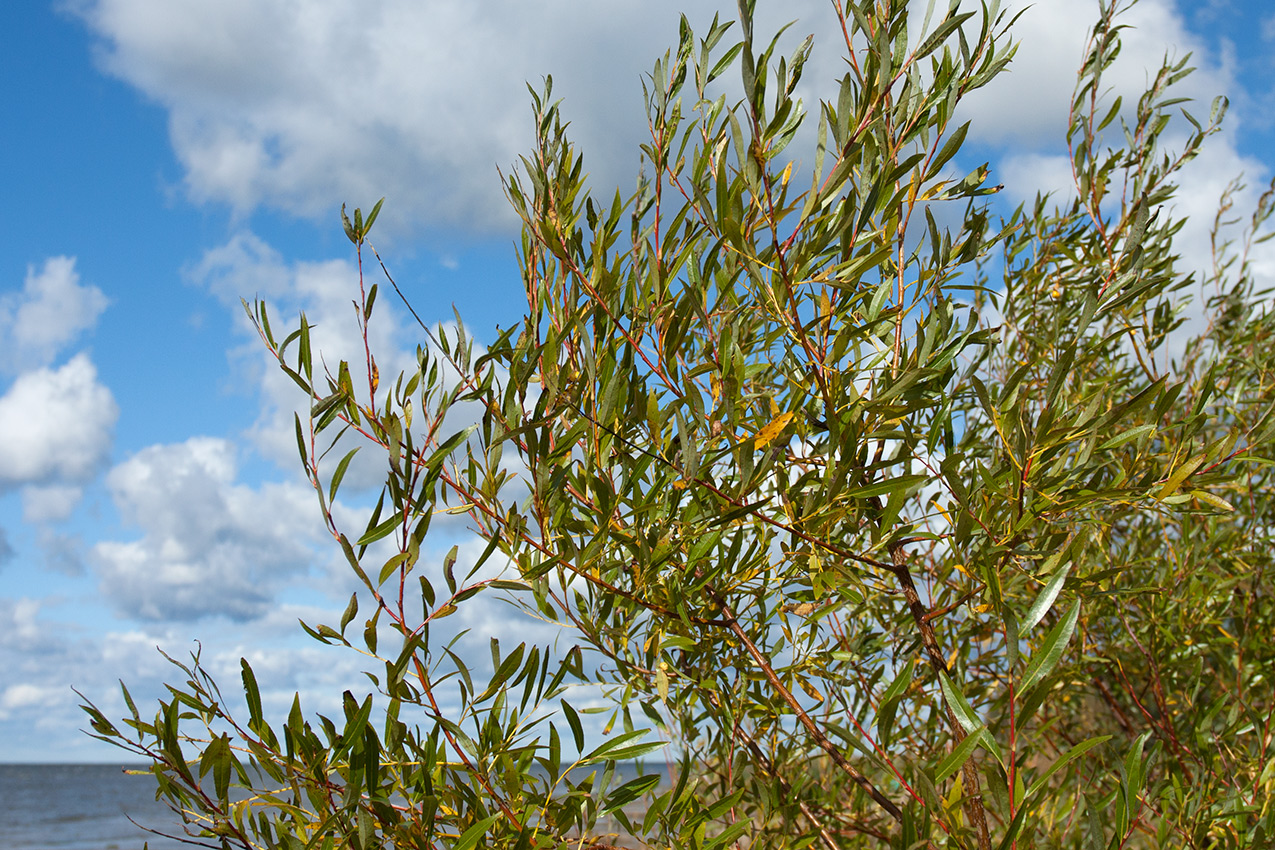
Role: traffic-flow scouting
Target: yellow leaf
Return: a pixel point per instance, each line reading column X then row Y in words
column 954, row 793
column 810, row 690
column 767, row 435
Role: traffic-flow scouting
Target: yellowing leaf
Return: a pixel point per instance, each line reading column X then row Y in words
column 810, row 690
column 1215, row 501
column 767, row 435
column 1180, row 475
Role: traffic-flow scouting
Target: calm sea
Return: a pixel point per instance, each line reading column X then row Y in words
column 87, row 807
column 79, row 807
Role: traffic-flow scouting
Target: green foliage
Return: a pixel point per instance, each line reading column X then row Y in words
column 893, row 533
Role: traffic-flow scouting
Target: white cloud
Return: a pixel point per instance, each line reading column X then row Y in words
column 209, row 546
column 49, row 503
column 18, row 616
column 303, row 108
column 23, row 695
column 51, row 310
column 1028, row 104
column 55, row 425
column 1025, row 174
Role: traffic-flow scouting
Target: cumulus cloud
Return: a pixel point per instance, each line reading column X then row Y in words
column 424, row 100
column 350, row 102
column 52, row 309
column 209, row 545
column 55, row 425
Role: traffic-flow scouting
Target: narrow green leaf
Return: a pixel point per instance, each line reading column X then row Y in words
column 608, row 749
column 956, row 759
column 305, row 361
column 1133, row 766
column 889, row 485
column 221, row 767
column 1011, row 636
column 1014, row 830
column 1126, row 436
column 351, row 610
column 890, row 700
column 965, row 714
column 470, row 837
column 371, row 217
column 1045, row 599
column 349, row 228
column 573, row 720
column 251, row 693
column 384, row 529
column 339, row 473
column 1046, row 658
column 301, row 447
column 950, row 148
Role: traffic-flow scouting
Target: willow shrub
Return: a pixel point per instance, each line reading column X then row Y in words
column 885, row 532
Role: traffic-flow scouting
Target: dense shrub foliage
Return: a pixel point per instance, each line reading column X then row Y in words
column 887, row 519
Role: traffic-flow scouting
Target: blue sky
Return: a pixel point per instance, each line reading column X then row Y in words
column 161, row 160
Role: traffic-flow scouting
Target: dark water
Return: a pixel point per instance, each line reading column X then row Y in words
column 87, row 806
column 79, row 807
